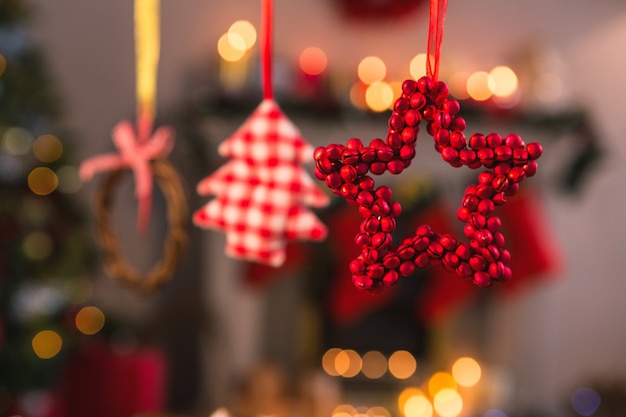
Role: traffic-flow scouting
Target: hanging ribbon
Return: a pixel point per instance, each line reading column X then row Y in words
column 138, row 148
column 147, row 47
column 266, row 47
column 435, row 36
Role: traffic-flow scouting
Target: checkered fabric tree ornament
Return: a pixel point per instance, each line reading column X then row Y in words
column 263, row 193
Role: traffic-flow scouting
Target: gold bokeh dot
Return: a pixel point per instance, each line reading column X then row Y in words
column 42, row 181
column 89, row 320
column 328, row 361
column 402, row 364
column 47, row 344
column 374, row 364
column 47, row 148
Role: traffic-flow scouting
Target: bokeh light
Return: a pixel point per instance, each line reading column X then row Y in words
column 3, row 64
column 505, row 81
column 585, row 401
column 371, row 69
column 374, row 364
column 89, row 320
column 479, row 86
column 448, row 403
column 417, row 406
column 343, row 410
column 417, row 66
column 357, row 95
column 379, row 96
column 42, row 181
column 466, row 371
column 17, row 141
column 402, row 364
column 328, row 361
column 242, row 30
column 378, row 411
column 440, row 381
column 69, row 181
column 457, row 83
column 47, row 344
column 37, row 245
column 348, row 363
column 313, row 61
column 408, row 393
column 47, row 148
column 231, row 47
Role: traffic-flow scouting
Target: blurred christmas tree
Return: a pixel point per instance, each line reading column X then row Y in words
column 45, row 249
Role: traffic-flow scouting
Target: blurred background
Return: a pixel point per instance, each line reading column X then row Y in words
column 226, row 337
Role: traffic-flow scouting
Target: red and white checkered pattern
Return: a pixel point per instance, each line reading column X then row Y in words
column 262, row 194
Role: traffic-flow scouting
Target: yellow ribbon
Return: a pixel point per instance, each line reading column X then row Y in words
column 147, row 39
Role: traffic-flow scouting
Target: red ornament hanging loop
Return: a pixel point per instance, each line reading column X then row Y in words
column 435, row 37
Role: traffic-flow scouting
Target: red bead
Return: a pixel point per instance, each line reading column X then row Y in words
column 375, row 271
column 482, row 279
column 367, row 184
column 483, row 237
column 319, row 152
column 530, row 168
column 362, row 240
column 354, row 143
column 451, row 261
column 448, row 242
column 381, row 240
column 412, row 118
column 401, row 105
column 435, row 249
column 422, row 260
column 464, row 270
column 534, row 150
column 391, row 262
column 494, row 223
column 486, row 206
column 396, row 122
column 378, row 168
column 409, row 87
column 408, row 135
column 367, row 154
column 457, row 140
column 421, row 243
column 371, row 225
column 503, row 153
column 458, row 124
column 362, row 281
column 452, row 107
column 477, row 220
column 425, row 84
column 463, row 251
column 394, row 140
column 384, row 192
column 391, row 278
column 442, row 137
column 417, row 101
column 370, row 255
column 357, row 267
column 348, row 173
column 516, row 174
column 406, row 252
column 467, row 156
column 513, row 141
column 477, row 142
column 494, row 140
column 387, row 224
column 365, row 198
column 406, row 268
column 407, row 152
column 395, row 167
column 450, row 154
column 477, row 263
column 333, row 180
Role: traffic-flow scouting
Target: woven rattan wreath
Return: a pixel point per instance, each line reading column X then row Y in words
column 177, row 212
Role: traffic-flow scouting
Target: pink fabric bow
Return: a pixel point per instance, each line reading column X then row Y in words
column 136, row 150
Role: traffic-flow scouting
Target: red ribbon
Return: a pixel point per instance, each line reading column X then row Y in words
column 435, row 36
column 266, row 47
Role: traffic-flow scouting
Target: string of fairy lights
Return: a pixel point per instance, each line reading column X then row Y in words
column 372, row 90
column 446, row 393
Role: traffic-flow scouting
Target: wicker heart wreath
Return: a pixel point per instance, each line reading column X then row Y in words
column 507, row 160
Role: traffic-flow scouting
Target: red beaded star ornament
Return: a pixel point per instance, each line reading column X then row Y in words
column 345, row 170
